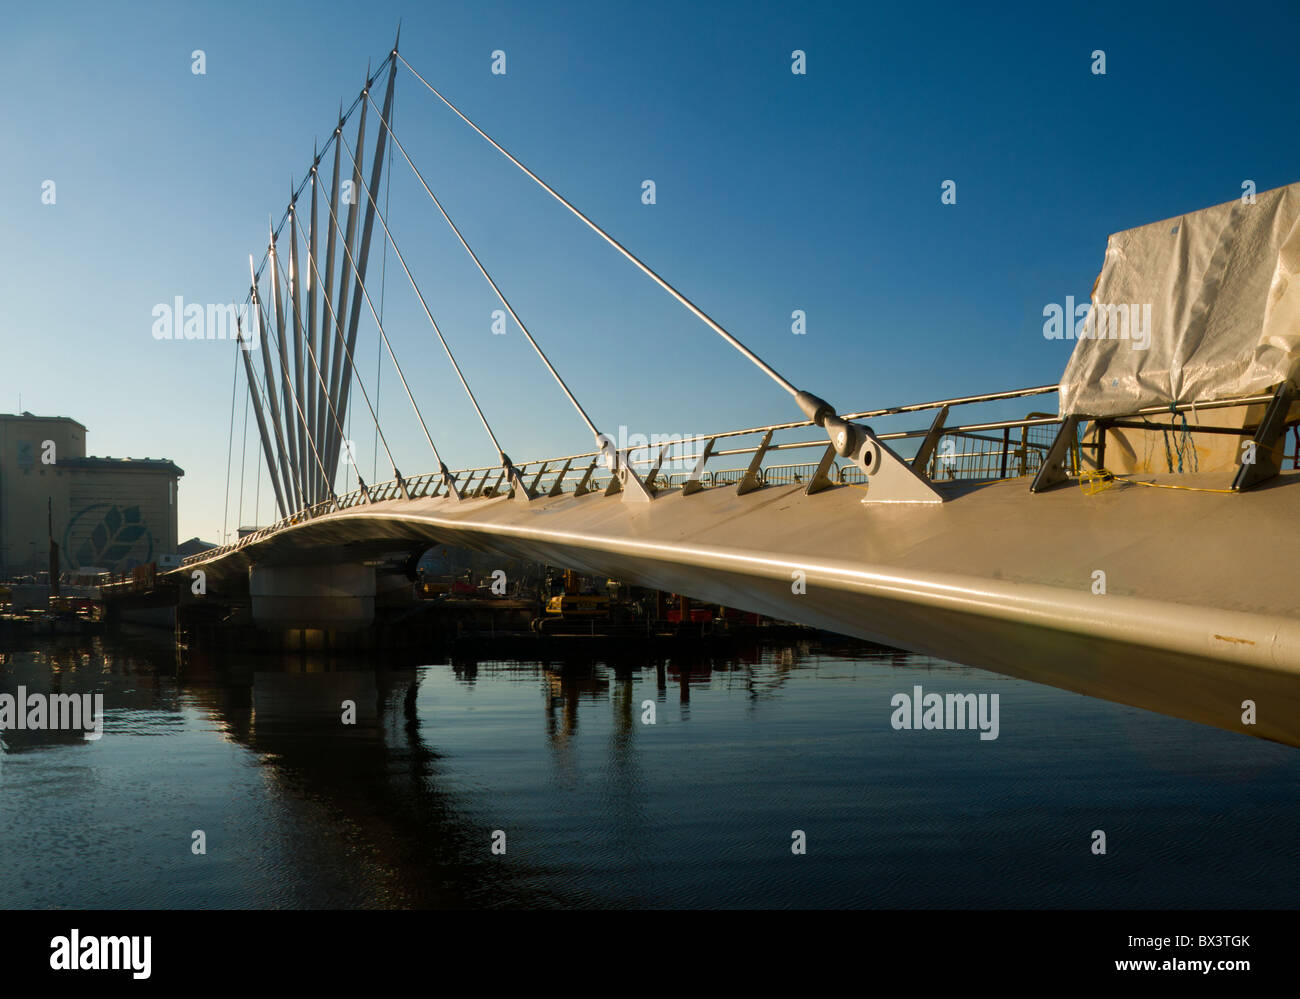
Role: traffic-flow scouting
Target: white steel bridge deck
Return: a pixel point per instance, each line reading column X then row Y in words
column 1199, row 615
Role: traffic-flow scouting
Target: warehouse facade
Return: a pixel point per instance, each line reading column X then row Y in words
column 109, row 514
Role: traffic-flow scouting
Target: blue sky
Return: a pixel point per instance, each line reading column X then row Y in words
column 775, row 192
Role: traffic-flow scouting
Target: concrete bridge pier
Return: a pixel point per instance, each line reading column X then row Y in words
column 333, row 597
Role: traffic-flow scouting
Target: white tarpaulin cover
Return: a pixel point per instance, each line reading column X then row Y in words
column 1223, row 286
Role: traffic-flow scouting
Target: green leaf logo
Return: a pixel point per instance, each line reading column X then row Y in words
column 117, row 541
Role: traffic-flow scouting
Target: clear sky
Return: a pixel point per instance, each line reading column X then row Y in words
column 774, row 192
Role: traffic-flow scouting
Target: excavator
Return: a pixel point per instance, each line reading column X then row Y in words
column 570, row 605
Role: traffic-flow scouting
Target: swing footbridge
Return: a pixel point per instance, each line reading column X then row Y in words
column 1126, row 552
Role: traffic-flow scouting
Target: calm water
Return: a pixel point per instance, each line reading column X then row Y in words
column 599, row 809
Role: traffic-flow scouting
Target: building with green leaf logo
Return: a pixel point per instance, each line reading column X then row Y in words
column 109, row 514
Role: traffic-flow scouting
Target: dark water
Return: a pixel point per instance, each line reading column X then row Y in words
column 599, row 809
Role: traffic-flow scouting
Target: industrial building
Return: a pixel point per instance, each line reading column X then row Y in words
column 108, row 514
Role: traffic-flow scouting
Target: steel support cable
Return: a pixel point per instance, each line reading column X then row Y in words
column 327, row 290
column 243, row 463
column 389, row 65
column 311, row 353
column 337, row 379
column 230, row 448
column 383, row 284
column 330, row 370
column 482, row 270
column 279, row 435
column 292, row 481
column 305, row 332
column 264, row 402
column 285, row 512
column 244, row 452
column 257, row 496
column 293, row 300
column 257, row 269
column 343, row 118
column 299, row 462
column 395, row 364
column 353, row 309
column 424, row 305
column 298, row 406
column 333, row 410
column 316, row 426
column 365, row 396
column 645, row 268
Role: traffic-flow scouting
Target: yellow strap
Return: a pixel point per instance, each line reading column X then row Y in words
column 1093, row 482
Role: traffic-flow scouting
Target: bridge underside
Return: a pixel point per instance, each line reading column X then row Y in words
column 1197, row 617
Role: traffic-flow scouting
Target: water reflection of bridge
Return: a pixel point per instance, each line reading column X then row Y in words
column 387, row 784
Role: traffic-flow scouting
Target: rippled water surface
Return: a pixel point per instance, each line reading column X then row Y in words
column 599, row 808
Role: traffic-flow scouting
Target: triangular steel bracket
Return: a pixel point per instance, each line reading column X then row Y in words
column 583, row 486
column 557, row 487
column 1052, row 472
column 821, row 479
column 695, row 483
column 1268, row 441
column 653, row 475
column 926, row 450
column 518, row 487
column 890, row 479
column 634, row 488
column 753, row 477
column 449, row 481
column 623, row 478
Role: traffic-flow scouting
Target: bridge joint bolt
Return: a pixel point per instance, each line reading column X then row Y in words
column 814, row 407
column 845, row 437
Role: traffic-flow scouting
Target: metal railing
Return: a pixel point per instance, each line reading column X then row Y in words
column 975, row 451
column 553, row 476
column 962, row 455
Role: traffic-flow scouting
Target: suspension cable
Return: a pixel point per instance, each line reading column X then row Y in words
column 418, row 415
column 265, row 401
column 230, row 447
column 443, row 340
column 329, row 484
column 343, row 119
column 286, row 385
column 473, row 256
column 274, row 276
column 383, row 283
column 334, row 324
column 257, row 497
column 282, row 501
column 243, row 460
column 645, row 268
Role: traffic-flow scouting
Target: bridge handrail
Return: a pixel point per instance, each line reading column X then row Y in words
column 419, row 486
column 563, row 468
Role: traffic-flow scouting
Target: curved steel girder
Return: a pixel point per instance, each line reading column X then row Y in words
column 998, row 578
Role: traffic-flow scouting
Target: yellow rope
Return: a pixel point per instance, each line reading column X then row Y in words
column 1190, row 489
column 1093, row 482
